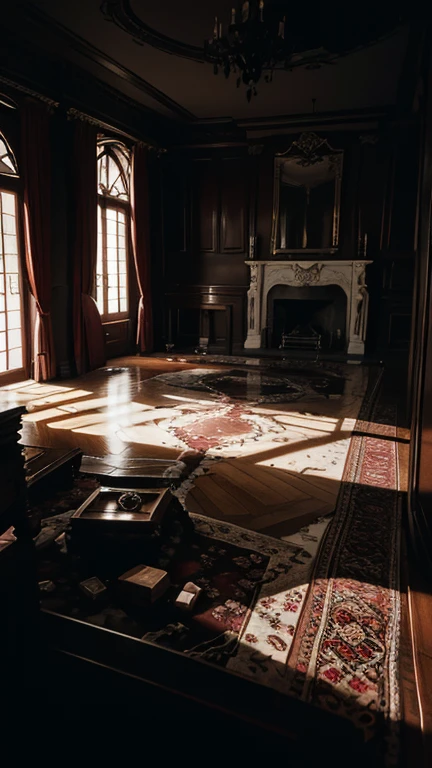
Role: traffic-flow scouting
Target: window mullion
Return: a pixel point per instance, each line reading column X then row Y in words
column 118, row 261
column 104, row 260
column 4, row 282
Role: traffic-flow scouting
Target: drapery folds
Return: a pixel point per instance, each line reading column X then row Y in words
column 89, row 342
column 140, row 230
column 36, row 174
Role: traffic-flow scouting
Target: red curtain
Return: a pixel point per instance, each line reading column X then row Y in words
column 140, row 225
column 89, row 342
column 35, row 161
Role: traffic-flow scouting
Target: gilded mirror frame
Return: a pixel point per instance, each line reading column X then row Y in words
column 309, row 149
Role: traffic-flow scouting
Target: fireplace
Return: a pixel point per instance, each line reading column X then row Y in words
column 280, row 291
column 316, row 315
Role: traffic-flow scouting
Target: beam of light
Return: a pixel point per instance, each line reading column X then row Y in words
column 36, row 416
column 277, row 669
column 151, row 435
column 62, row 397
column 193, row 401
column 108, row 417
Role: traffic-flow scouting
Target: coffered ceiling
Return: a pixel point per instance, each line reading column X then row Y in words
column 187, row 89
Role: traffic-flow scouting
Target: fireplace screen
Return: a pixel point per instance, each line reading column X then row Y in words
column 309, row 318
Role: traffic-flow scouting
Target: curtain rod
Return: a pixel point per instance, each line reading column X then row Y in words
column 76, row 114
column 73, row 113
column 28, row 91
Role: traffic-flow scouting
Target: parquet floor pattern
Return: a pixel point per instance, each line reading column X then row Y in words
column 261, row 498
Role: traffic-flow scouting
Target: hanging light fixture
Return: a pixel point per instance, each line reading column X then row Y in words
column 264, row 35
column 253, row 42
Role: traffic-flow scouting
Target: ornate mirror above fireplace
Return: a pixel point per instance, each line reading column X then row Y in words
column 306, row 198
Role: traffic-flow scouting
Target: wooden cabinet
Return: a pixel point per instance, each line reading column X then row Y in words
column 117, row 338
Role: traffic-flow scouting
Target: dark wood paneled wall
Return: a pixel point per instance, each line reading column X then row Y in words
column 206, row 206
column 215, row 199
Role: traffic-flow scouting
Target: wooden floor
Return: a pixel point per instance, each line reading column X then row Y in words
column 90, row 412
column 97, row 411
column 275, row 502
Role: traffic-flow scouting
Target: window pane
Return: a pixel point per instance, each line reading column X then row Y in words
column 14, row 301
column 14, row 338
column 14, row 319
column 112, row 242
column 8, row 203
column 10, row 303
column 123, row 305
column 10, row 244
column 111, row 262
column 11, row 263
column 15, row 358
column 113, row 169
column 8, row 224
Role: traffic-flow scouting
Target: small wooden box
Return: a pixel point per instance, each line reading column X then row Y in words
column 101, row 511
column 143, row 584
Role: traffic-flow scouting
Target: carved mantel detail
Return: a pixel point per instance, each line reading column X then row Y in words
column 349, row 275
column 308, row 275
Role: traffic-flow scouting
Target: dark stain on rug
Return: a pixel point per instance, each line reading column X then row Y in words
column 262, row 385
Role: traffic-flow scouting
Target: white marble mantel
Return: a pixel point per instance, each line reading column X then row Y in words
column 349, row 275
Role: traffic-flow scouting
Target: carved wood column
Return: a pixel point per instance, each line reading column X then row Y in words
column 254, row 320
column 359, row 310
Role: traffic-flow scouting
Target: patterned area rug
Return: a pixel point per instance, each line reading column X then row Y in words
column 315, row 616
column 344, row 654
column 261, row 384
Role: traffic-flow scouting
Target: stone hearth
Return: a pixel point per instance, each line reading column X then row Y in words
column 349, row 275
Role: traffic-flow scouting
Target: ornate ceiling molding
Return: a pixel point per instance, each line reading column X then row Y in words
column 120, row 12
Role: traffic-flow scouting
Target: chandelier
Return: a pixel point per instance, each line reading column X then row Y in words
column 254, row 41
column 263, row 36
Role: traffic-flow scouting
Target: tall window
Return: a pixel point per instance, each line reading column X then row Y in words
column 112, row 295
column 11, row 316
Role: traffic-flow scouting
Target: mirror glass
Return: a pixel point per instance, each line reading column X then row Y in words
column 307, row 196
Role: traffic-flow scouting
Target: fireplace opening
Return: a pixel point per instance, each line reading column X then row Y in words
column 307, row 317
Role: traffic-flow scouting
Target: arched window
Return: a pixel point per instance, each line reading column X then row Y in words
column 8, row 166
column 11, row 315
column 112, row 295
